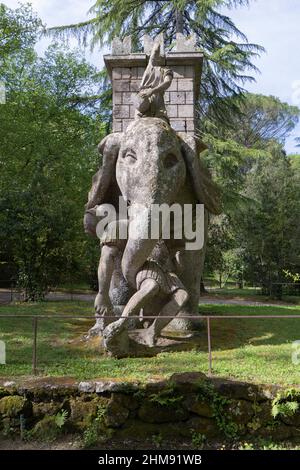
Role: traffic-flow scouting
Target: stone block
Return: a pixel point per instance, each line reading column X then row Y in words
column 121, row 111
column 127, row 98
column 120, row 47
column 120, row 85
column 134, row 72
column 117, row 97
column 178, row 125
column 132, row 111
column 177, row 98
column 179, row 71
column 189, row 97
column 185, row 84
column 189, row 71
column 186, row 110
column 117, row 73
column 126, row 72
column 117, row 125
column 171, row 110
column 185, row 43
column 135, row 85
column 173, row 86
column 149, row 43
column 167, row 97
column 190, row 125
column 140, row 72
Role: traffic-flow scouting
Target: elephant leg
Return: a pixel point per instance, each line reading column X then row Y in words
column 191, row 270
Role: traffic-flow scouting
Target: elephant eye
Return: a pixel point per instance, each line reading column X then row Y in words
column 170, row 160
column 130, row 157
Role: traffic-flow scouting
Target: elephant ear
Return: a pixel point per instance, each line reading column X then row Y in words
column 104, row 188
column 206, row 190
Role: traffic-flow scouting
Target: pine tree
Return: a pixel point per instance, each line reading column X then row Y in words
column 229, row 56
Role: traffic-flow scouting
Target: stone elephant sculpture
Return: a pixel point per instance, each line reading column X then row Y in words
column 152, row 164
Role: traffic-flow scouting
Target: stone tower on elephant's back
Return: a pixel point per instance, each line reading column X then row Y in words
column 126, row 70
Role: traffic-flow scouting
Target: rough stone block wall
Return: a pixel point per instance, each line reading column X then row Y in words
column 179, row 98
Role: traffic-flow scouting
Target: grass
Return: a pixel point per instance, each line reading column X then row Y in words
column 256, row 350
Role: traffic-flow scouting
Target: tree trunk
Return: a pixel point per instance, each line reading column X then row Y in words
column 202, row 287
column 179, row 21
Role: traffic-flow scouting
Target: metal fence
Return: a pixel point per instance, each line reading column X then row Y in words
column 208, row 318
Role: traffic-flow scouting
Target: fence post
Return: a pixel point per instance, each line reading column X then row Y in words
column 209, row 347
column 34, row 355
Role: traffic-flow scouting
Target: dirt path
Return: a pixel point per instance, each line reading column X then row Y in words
column 5, row 298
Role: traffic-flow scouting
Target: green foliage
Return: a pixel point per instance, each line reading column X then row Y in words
column 48, row 136
column 198, row 440
column 286, row 403
column 219, row 405
column 96, row 431
column 167, row 397
column 61, row 418
column 228, row 62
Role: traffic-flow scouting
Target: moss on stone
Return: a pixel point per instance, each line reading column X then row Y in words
column 12, row 406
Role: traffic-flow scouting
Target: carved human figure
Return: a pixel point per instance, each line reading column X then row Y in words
column 155, row 280
column 156, row 80
column 112, row 247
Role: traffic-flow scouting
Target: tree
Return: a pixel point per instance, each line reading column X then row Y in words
column 269, row 231
column 228, row 61
column 48, row 136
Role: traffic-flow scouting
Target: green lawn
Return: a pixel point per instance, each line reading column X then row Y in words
column 255, row 349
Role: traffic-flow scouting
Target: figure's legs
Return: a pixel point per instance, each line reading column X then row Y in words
column 149, row 288
column 103, row 306
column 179, row 298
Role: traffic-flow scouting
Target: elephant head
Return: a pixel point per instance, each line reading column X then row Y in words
column 152, row 163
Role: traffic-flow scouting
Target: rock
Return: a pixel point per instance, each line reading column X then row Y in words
column 238, row 390
column 116, row 414
column 240, row 411
column 87, row 387
column 194, row 404
column 110, row 386
column 156, row 413
column 9, row 384
column 39, row 410
column 82, row 413
column 188, row 381
column 14, row 406
column 205, row 426
column 46, row 429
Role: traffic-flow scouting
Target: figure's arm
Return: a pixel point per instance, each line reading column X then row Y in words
column 165, row 85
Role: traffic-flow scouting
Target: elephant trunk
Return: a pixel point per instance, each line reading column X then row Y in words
column 139, row 245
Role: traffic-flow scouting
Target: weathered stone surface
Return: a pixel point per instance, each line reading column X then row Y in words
column 240, row 390
column 83, row 412
column 198, row 406
column 116, row 414
column 240, row 411
column 39, row 410
column 13, row 406
column 185, row 44
column 205, row 426
column 120, row 47
column 86, row 387
column 188, row 381
column 153, row 412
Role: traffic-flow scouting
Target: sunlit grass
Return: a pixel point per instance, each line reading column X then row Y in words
column 258, row 350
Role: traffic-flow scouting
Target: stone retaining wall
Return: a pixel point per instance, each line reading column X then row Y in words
column 185, row 406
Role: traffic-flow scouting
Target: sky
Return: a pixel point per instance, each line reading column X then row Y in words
column 275, row 24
